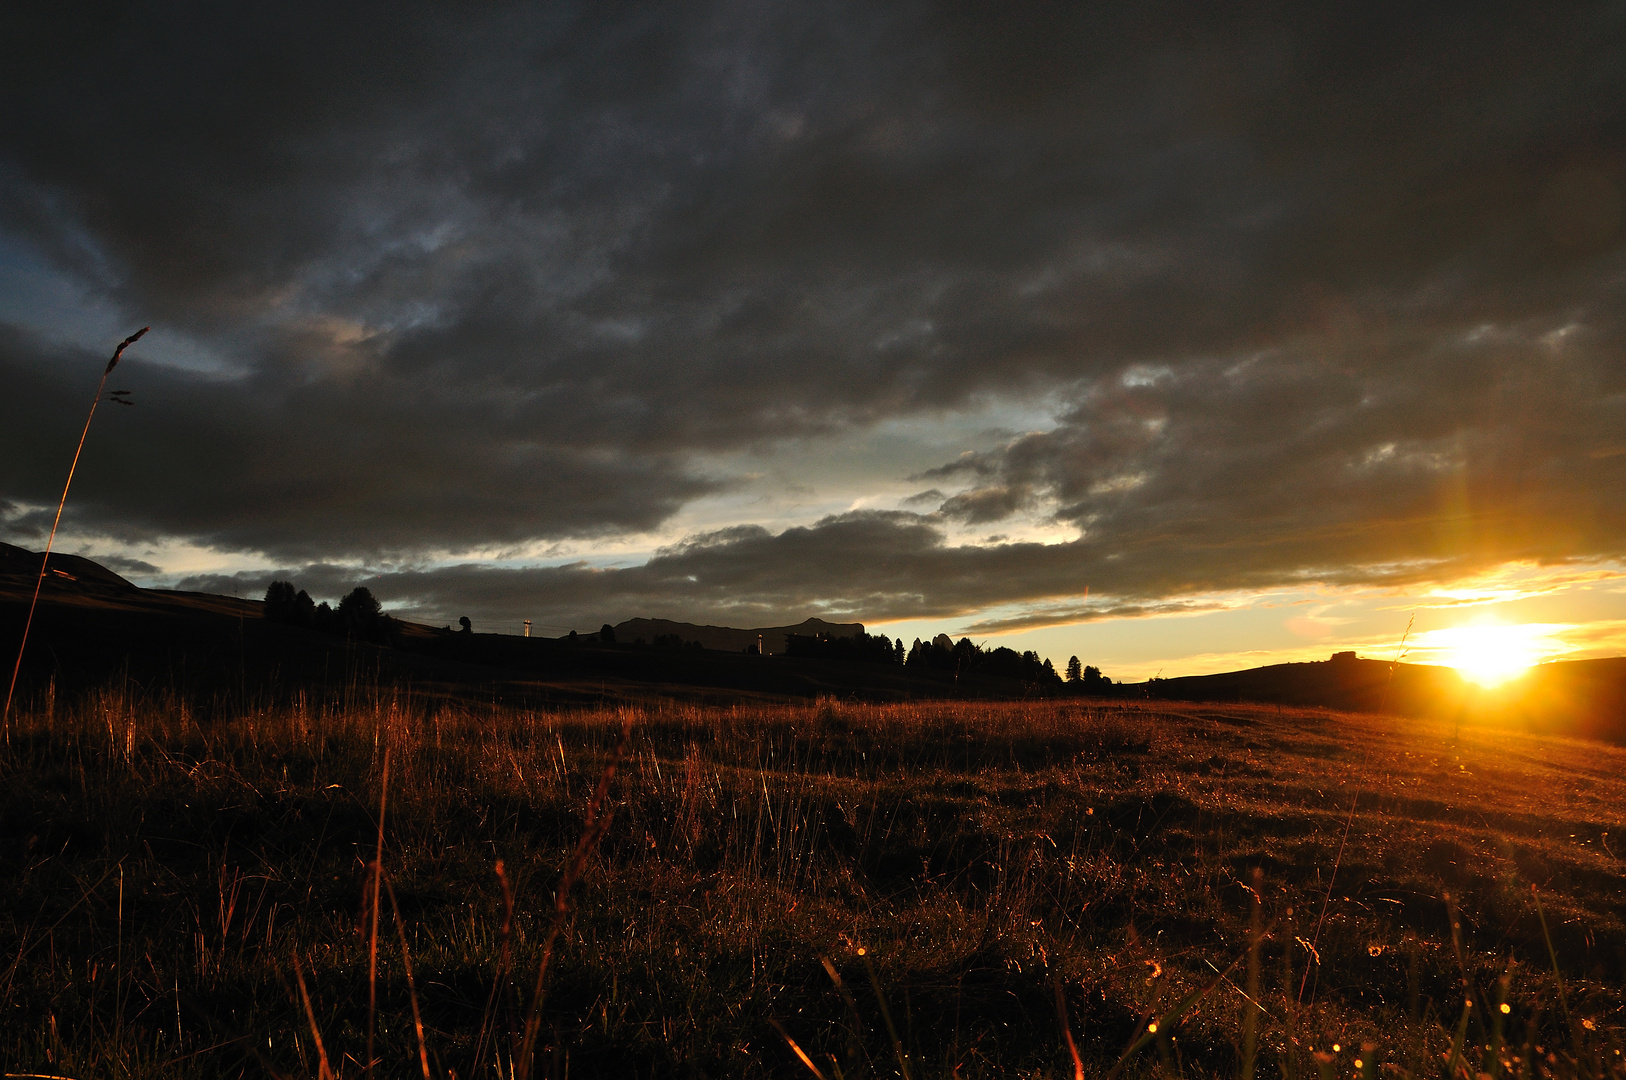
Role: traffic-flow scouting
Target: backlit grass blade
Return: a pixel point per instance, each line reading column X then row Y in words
column 45, row 560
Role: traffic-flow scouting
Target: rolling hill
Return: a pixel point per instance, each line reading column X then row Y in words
column 94, row 626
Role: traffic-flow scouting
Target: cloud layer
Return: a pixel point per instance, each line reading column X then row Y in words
column 1315, row 294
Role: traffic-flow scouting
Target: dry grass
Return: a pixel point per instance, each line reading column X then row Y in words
column 967, row 872
column 45, row 558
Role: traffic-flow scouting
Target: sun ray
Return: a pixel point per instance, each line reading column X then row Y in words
column 1490, row 653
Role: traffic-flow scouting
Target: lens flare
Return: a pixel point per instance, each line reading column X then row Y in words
column 1490, row 653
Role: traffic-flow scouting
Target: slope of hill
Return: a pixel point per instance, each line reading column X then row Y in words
column 93, row 628
column 1344, row 682
column 1585, row 698
column 18, row 565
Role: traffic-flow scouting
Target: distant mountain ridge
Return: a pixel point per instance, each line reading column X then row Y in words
column 1343, row 682
column 731, row 639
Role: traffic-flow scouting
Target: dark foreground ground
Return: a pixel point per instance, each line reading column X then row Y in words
column 1284, row 892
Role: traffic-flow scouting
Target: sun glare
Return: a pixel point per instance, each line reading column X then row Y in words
column 1490, row 653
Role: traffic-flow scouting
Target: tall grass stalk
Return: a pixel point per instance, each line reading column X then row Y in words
column 372, row 937
column 45, row 560
column 597, row 823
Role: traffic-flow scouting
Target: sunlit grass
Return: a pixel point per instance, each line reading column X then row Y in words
column 167, row 869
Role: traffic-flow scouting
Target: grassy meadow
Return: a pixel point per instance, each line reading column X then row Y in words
column 924, row 890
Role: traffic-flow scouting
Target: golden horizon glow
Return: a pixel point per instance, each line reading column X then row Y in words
column 1490, row 654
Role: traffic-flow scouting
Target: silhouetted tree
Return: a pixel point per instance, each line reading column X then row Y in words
column 464, row 626
column 876, row 649
column 963, row 657
column 606, row 634
column 324, row 619
column 1075, row 670
column 942, row 654
column 1003, row 663
column 284, row 605
column 279, row 601
column 359, row 614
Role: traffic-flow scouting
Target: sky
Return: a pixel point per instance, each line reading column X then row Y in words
column 1180, row 337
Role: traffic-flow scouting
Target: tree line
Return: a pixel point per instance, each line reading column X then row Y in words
column 943, row 653
column 866, row 648
column 359, row 614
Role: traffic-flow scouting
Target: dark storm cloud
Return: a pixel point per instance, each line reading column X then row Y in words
column 1323, row 289
column 124, row 565
column 985, row 504
column 929, row 497
column 1034, row 619
column 297, row 472
column 871, row 564
column 1491, row 447
column 970, row 463
column 867, row 565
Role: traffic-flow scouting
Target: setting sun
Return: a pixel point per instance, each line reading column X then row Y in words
column 1490, row 653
